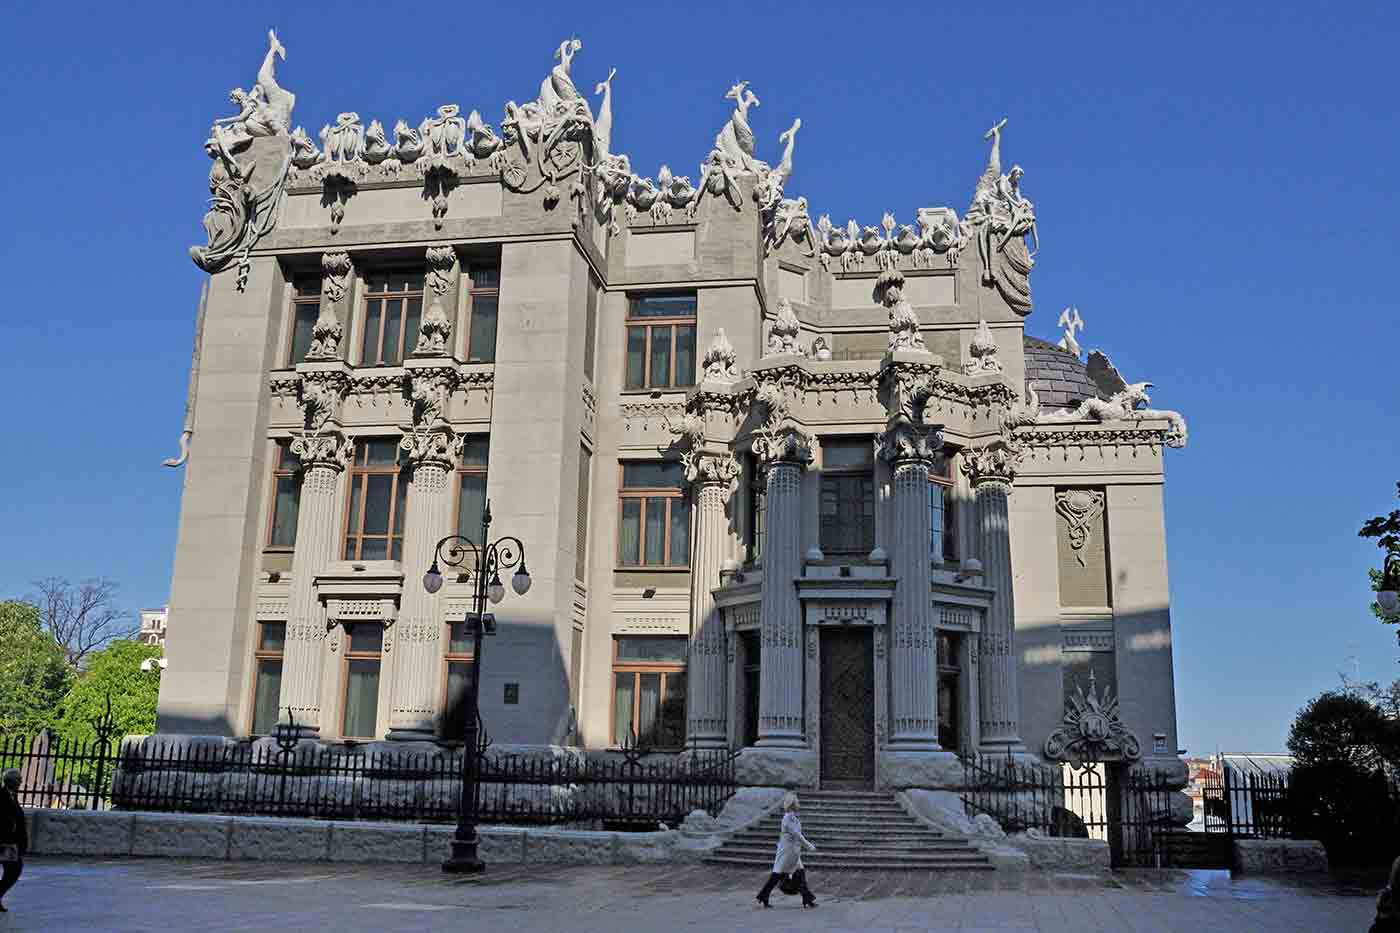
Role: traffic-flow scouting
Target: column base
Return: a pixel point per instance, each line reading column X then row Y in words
column 707, row 741
column 897, row 769
column 1003, row 745
column 913, row 744
column 776, row 767
column 781, row 740
column 297, row 730
column 411, row 734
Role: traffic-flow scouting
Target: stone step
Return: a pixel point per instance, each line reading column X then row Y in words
column 837, row 823
column 905, row 837
column 906, row 862
column 941, row 847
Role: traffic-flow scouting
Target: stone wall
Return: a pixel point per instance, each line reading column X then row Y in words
column 1279, row 856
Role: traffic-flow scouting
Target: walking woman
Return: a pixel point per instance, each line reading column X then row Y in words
column 14, row 838
column 789, row 857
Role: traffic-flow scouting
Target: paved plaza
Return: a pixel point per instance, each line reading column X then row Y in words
column 168, row 894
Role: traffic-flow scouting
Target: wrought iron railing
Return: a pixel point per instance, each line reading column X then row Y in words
column 1254, row 805
column 631, row 789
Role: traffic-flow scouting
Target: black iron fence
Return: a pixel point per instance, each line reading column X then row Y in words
column 631, row 789
column 1255, row 805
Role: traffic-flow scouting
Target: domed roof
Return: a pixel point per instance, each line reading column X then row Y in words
column 1060, row 378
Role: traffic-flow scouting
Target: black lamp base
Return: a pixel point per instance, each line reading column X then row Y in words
column 464, row 860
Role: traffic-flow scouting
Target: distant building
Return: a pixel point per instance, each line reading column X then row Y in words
column 153, row 627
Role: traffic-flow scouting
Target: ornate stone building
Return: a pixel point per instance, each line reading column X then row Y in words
column 783, row 485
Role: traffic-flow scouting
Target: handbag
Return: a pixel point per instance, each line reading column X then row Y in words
column 789, row 884
column 9, row 852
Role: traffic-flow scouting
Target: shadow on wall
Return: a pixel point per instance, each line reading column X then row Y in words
column 179, row 724
column 524, row 688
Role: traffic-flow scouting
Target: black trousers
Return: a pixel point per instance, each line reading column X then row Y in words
column 799, row 876
column 11, row 874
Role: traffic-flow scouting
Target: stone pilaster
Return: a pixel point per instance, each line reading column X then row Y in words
column 913, row 656
column 712, row 478
column 443, row 276
column 785, row 453
column 992, row 470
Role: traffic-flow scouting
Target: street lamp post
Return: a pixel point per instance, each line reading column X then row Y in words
column 502, row 554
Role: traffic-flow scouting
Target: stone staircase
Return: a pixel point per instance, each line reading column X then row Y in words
column 854, row 829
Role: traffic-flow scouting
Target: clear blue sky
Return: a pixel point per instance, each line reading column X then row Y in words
column 1215, row 191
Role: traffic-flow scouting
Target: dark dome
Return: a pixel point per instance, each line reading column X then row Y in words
column 1060, row 378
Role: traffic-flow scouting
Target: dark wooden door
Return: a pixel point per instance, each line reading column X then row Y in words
column 848, row 708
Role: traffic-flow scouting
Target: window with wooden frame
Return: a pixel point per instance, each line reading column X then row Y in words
column 306, row 308
column 758, row 492
column 655, row 515
column 286, row 498
column 393, row 309
column 471, row 485
column 942, row 543
column 649, row 690
column 364, row 650
column 484, row 294
column 753, row 678
column 949, row 655
column 457, row 660
column 848, row 496
column 378, row 489
column 661, row 341
column 267, row 676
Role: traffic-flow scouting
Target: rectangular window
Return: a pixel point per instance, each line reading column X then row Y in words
column 364, row 644
column 286, row 497
column 471, row 486
column 753, row 656
column 649, row 690
column 590, row 326
column 378, row 488
column 949, row 691
column 758, row 491
column 848, row 497
column 655, row 510
column 306, row 307
column 585, row 463
column 661, row 341
column 267, row 676
column 942, row 545
column 393, row 309
column 458, row 659
column 485, row 296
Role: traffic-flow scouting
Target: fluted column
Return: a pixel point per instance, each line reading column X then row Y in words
column 323, row 456
column 712, row 477
column 992, row 471
column 784, row 455
column 914, row 652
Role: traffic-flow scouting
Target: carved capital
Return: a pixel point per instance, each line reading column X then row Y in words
column 996, row 463
column 908, row 386
column 328, row 449
column 906, row 441
column 787, row 444
column 428, row 392
column 438, row 447
column 710, row 468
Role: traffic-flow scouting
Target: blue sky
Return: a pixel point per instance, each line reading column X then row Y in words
column 1213, row 184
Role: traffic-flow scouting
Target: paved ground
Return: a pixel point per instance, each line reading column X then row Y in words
column 167, row 895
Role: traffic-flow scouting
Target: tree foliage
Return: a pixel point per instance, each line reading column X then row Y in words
column 82, row 618
column 1342, row 729
column 34, row 671
column 1385, row 529
column 114, row 671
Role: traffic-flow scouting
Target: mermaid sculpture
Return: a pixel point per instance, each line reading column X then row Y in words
column 266, row 110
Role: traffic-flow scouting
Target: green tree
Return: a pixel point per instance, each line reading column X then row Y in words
column 34, row 671
column 1341, row 729
column 114, row 671
column 1385, row 529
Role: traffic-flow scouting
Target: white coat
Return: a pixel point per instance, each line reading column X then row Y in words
column 790, row 844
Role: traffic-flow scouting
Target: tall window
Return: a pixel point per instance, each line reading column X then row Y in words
column 753, row 677
column 655, row 516
column 393, row 308
column 949, row 689
column 306, row 307
column 758, row 492
column 378, row 487
column 585, row 461
column 364, row 645
column 848, row 496
column 267, row 676
column 471, row 486
column 942, row 544
column 660, row 341
column 286, row 497
column 590, row 325
column 485, row 302
column 649, row 690
column 458, row 659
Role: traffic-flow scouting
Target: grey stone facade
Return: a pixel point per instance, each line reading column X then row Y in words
column 905, row 337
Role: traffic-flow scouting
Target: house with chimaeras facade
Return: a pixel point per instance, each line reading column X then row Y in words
column 803, row 489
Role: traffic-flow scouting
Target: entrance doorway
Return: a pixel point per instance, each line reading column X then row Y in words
column 847, row 708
